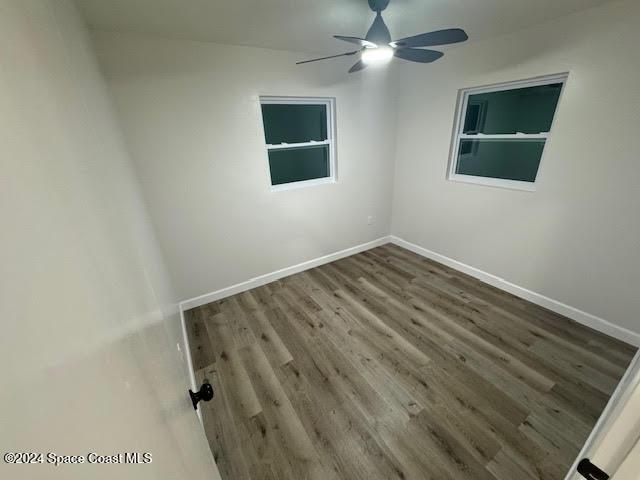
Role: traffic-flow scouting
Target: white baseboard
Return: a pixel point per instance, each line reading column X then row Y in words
column 592, row 321
column 278, row 274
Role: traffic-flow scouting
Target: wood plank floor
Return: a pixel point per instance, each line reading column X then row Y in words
column 386, row 365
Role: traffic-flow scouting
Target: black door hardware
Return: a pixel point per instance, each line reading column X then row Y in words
column 205, row 393
column 590, row 471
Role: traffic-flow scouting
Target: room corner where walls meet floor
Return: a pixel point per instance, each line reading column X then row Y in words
column 592, row 321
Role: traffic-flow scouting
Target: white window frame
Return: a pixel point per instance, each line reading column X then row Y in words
column 330, row 104
column 458, row 135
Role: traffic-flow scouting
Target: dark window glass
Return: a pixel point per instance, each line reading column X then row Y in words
column 526, row 110
column 290, row 123
column 475, row 116
column 298, row 164
column 506, row 159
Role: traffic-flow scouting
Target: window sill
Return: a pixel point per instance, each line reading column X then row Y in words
column 307, row 183
column 494, row 182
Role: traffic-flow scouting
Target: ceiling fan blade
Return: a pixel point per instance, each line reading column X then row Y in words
column 417, row 55
column 358, row 41
column 378, row 33
column 330, row 56
column 359, row 65
column 440, row 37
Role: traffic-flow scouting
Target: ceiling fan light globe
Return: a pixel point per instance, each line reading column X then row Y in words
column 377, row 55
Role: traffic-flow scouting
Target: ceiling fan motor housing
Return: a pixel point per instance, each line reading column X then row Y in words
column 378, row 5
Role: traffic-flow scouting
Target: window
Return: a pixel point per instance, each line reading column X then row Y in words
column 299, row 133
column 501, row 131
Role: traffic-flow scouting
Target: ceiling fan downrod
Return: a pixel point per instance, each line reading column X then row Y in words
column 378, row 5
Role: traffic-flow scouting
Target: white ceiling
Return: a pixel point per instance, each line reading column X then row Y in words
column 307, row 25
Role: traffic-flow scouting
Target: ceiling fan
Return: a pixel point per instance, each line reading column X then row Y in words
column 377, row 47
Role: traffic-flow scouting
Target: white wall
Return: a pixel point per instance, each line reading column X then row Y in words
column 576, row 239
column 191, row 116
column 88, row 358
